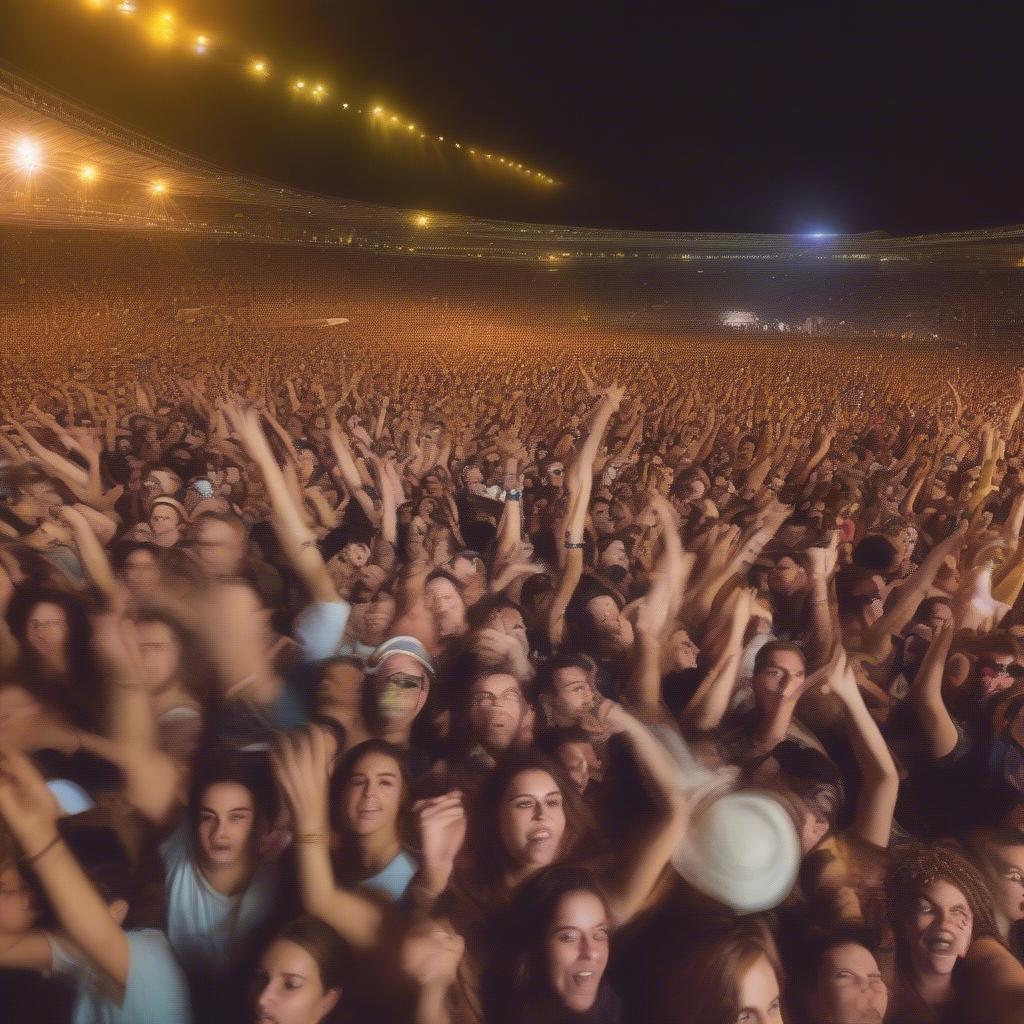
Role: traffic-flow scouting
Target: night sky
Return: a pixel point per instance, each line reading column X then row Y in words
column 717, row 117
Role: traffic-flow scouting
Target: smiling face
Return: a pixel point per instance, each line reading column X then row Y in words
column 849, row 988
column 576, row 949
column 287, row 988
column 227, row 821
column 372, row 794
column 938, row 928
column 532, row 819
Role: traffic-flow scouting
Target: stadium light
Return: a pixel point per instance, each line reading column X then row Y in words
column 259, row 69
column 202, row 44
column 126, row 7
column 88, row 173
column 421, row 220
column 158, row 188
column 28, row 155
column 377, row 111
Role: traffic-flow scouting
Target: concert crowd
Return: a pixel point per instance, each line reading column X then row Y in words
column 371, row 685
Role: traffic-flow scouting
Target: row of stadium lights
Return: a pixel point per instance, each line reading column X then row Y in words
column 27, row 157
column 163, row 30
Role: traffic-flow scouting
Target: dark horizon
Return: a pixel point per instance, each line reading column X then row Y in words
column 732, row 120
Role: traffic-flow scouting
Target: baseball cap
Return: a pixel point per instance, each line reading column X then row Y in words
column 407, row 645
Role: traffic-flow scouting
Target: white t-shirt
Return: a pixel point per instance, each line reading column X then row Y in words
column 394, row 878
column 155, row 993
column 207, row 929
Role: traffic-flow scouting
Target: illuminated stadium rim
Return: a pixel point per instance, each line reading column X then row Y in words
column 164, row 29
column 202, row 201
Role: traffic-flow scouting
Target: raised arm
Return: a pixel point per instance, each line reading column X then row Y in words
column 876, row 801
column 302, row 767
column 31, row 813
column 926, row 697
column 297, row 542
column 641, row 863
column 580, row 480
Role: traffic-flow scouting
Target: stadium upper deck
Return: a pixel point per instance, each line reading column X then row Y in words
column 197, row 199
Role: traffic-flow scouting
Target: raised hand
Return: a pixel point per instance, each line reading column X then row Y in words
column 441, row 822
column 26, row 803
column 302, row 766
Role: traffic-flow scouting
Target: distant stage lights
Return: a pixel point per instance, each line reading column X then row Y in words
column 28, row 155
column 127, row 7
column 421, row 220
column 88, row 173
column 158, row 188
column 259, row 69
column 202, row 45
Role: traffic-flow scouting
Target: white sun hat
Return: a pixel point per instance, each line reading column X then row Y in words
column 742, row 850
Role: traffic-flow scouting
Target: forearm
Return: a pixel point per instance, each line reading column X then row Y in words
column 82, row 913
column 643, row 693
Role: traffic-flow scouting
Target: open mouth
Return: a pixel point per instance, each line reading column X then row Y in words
column 940, row 945
column 539, row 835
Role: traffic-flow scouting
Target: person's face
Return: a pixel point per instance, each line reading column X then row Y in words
column 445, row 603
column 462, row 568
column 1005, row 871
column 496, row 709
column 307, row 464
column 47, row 629
column 472, row 476
column 759, row 996
column 696, row 488
column 400, row 688
column 532, row 819
column 372, row 794
column 746, row 452
column 781, row 669
column 605, row 613
column 615, row 554
column 576, row 949
column 355, row 555
column 939, row 616
column 160, row 651
column 994, row 674
column 163, row 520
column 849, row 987
column 18, row 910
column 621, row 516
column 221, row 548
column 786, row 577
column 579, row 761
column 379, row 614
column 602, row 519
column 573, row 693
column 432, row 485
column 554, row 475
column 684, row 651
column 510, row 622
column 141, row 573
column 227, row 822
column 287, row 988
column 938, row 928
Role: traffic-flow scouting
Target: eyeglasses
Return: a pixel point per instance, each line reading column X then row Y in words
column 403, row 681
column 510, row 697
